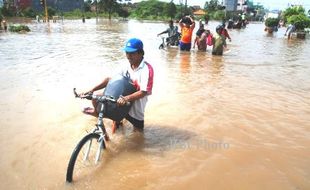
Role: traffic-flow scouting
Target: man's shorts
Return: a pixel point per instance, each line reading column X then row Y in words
column 185, row 46
column 139, row 124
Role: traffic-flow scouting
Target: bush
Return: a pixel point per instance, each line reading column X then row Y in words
column 29, row 12
column 300, row 21
column 219, row 15
column 19, row 28
column 272, row 22
column 295, row 10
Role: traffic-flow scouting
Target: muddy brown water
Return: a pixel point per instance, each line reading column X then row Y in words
column 240, row 121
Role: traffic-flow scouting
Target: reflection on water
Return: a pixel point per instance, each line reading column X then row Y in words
column 238, row 121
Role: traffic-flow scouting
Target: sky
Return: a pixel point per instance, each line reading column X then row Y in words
column 282, row 4
column 269, row 4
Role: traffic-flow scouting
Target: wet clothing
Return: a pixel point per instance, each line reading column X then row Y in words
column 290, row 29
column 135, row 122
column 202, row 42
column 225, row 33
column 219, row 42
column 142, row 78
column 186, row 39
column 173, row 35
column 171, row 31
column 186, row 35
column 200, row 31
column 185, row 46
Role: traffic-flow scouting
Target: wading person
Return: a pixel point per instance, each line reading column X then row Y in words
column 290, row 29
column 219, row 41
column 187, row 25
column 202, row 42
column 199, row 32
column 141, row 74
column 225, row 32
column 173, row 34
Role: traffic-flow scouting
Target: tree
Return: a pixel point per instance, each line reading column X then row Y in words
column 151, row 9
column 87, row 5
column 109, row 6
column 211, row 6
column 123, row 12
column 295, row 10
column 171, row 10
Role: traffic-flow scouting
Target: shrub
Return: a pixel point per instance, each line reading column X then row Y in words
column 295, row 10
column 19, row 28
column 271, row 22
column 29, row 12
column 300, row 21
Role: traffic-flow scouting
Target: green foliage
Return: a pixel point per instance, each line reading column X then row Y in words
column 301, row 21
column 51, row 11
column 296, row 15
column 272, row 22
column 212, row 5
column 87, row 6
column 77, row 13
column 29, row 12
column 296, row 10
column 170, row 10
column 109, row 6
column 154, row 9
column 7, row 12
column 219, row 15
column 122, row 12
column 19, row 28
column 215, row 10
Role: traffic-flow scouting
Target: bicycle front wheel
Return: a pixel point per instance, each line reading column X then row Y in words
column 85, row 157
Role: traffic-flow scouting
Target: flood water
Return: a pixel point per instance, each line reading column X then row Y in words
column 240, row 121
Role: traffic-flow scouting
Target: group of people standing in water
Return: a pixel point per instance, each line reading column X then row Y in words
column 203, row 36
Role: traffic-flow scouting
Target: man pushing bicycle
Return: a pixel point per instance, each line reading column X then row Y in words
column 141, row 75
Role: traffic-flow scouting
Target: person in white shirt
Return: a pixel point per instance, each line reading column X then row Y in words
column 141, row 74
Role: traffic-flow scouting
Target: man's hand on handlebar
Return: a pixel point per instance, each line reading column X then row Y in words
column 85, row 94
column 122, row 100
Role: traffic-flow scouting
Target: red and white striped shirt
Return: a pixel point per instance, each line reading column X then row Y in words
column 142, row 78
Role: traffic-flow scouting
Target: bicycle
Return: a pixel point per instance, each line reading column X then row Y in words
column 170, row 41
column 87, row 153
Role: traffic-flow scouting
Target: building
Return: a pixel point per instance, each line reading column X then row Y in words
column 59, row 5
column 199, row 12
column 231, row 5
column 242, row 5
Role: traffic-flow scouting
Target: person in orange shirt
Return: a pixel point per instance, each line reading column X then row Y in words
column 187, row 25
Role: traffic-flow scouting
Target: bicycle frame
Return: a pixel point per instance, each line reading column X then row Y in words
column 100, row 128
column 98, row 136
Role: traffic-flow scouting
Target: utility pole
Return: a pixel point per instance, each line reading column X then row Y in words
column 96, row 10
column 185, row 6
column 46, row 12
column 44, row 5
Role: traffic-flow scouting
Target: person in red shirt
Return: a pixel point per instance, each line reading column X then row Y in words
column 225, row 32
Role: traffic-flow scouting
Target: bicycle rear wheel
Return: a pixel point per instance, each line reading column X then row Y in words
column 85, row 157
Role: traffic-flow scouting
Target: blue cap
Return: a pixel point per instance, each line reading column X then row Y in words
column 133, row 45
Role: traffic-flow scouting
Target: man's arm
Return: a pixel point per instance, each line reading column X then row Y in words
column 132, row 97
column 181, row 24
column 100, row 86
column 166, row 31
column 193, row 23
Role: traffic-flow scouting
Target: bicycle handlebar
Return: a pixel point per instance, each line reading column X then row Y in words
column 100, row 98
